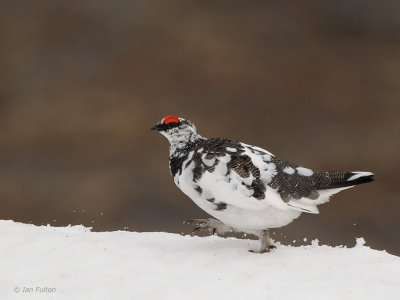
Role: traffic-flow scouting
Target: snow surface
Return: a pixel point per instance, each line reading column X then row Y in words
column 74, row 263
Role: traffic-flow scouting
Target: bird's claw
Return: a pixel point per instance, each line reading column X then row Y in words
column 263, row 250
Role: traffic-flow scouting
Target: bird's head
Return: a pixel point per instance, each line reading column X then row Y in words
column 178, row 131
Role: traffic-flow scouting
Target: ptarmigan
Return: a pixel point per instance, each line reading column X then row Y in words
column 245, row 188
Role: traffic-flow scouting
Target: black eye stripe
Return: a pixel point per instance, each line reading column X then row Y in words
column 164, row 127
column 172, row 125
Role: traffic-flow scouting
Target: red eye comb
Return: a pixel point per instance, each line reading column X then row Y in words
column 171, row 119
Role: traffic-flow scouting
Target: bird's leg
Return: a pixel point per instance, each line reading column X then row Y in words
column 265, row 241
column 209, row 225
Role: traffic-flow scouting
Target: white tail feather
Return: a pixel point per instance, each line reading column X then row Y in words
column 309, row 205
column 359, row 175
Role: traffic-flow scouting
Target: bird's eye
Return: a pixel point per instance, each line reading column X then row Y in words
column 171, row 119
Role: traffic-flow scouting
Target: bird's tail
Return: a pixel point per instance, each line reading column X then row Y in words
column 347, row 179
column 327, row 184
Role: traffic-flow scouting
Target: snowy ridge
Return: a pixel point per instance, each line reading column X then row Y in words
column 74, row 263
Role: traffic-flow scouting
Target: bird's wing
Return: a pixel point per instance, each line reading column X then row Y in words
column 300, row 187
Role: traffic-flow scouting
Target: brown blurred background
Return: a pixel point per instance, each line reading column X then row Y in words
column 82, row 82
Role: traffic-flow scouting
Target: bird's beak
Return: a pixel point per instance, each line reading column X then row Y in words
column 155, row 127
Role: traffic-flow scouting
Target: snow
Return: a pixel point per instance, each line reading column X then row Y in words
column 75, row 263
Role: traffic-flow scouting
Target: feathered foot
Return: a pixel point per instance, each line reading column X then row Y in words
column 266, row 244
column 209, row 225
